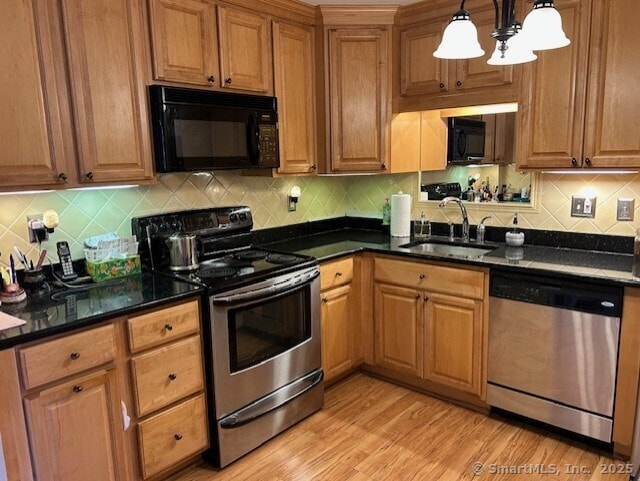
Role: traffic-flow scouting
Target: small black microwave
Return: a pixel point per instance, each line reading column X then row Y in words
column 466, row 141
column 197, row 130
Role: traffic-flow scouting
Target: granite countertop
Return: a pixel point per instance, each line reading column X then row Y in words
column 595, row 265
column 62, row 310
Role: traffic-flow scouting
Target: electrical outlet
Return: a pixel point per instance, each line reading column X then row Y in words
column 583, row 206
column 625, row 209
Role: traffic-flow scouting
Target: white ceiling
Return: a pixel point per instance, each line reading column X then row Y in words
column 359, row 2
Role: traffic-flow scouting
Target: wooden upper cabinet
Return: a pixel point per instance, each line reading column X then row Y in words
column 34, row 133
column 359, row 96
column 420, row 72
column 552, row 100
column 106, row 55
column 427, row 82
column 245, row 50
column 293, row 65
column 612, row 137
column 184, row 41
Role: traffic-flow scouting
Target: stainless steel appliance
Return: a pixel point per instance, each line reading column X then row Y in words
column 466, row 141
column 553, row 351
column 263, row 335
column 204, row 130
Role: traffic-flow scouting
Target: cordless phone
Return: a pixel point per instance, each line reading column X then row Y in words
column 64, row 255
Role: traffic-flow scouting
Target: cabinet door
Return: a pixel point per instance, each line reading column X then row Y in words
column 359, row 95
column 184, row 41
column 34, row 132
column 476, row 73
column 245, row 50
column 612, row 137
column 295, row 88
column 551, row 107
column 337, row 332
column 399, row 328
column 74, row 430
column 422, row 73
column 106, row 64
column 453, row 342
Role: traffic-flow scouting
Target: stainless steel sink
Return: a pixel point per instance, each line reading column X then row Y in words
column 447, row 250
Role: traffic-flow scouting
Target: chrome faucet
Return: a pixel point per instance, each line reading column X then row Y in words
column 465, row 219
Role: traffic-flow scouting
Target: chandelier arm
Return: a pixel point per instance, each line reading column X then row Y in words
column 497, row 15
column 462, row 4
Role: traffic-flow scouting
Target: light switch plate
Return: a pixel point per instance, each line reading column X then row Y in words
column 583, row 206
column 625, row 209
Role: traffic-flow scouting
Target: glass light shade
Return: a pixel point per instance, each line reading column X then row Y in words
column 542, row 29
column 459, row 41
column 518, row 51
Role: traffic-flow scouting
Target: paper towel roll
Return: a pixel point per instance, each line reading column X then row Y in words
column 400, row 215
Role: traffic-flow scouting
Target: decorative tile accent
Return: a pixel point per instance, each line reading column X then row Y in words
column 88, row 213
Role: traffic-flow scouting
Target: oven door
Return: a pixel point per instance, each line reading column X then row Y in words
column 264, row 336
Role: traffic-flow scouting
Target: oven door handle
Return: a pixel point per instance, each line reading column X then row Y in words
column 268, row 289
column 273, row 401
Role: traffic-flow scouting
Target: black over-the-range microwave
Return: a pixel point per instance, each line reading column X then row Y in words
column 466, row 141
column 203, row 130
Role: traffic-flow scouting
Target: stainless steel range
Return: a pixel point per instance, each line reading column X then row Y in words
column 263, row 338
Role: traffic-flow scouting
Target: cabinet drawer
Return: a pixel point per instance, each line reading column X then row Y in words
column 164, row 325
column 68, row 355
column 431, row 277
column 167, row 374
column 173, row 435
column 336, row 273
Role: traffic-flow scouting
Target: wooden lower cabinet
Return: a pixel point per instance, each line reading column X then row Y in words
column 399, row 328
column 453, row 342
column 430, row 329
column 74, row 429
column 337, row 332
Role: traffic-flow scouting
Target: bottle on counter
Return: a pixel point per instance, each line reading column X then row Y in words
column 386, row 212
column 635, row 270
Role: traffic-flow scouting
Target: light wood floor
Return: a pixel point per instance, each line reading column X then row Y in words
column 373, row 430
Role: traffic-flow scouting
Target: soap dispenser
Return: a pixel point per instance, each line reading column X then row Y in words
column 514, row 238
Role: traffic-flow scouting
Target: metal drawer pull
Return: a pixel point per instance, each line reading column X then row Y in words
column 77, row 389
column 168, row 327
column 422, row 276
column 338, row 274
column 177, row 436
column 75, row 355
column 173, row 376
column 324, row 299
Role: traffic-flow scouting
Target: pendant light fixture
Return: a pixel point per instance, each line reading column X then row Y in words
column 515, row 42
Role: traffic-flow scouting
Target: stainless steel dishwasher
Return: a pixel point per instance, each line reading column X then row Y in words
column 553, row 350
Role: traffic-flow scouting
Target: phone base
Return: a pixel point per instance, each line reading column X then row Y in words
column 66, row 278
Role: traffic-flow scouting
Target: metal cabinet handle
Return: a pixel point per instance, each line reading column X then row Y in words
column 338, row 274
column 441, row 85
column 177, row 437
column 426, row 298
column 77, row 389
column 173, row 376
column 574, row 161
column 89, row 175
column 314, row 167
column 75, row 355
column 62, row 176
column 168, row 327
column 417, row 296
column 227, row 80
column 587, row 161
column 422, row 276
column 324, row 299
column 458, row 83
column 211, row 79
column 383, row 166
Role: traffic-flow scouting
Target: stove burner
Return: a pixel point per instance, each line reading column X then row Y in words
column 250, row 255
column 216, row 272
column 281, row 258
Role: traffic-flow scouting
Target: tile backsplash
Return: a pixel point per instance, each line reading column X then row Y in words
column 91, row 212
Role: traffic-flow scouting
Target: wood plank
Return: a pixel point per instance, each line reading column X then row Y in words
column 373, row 430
